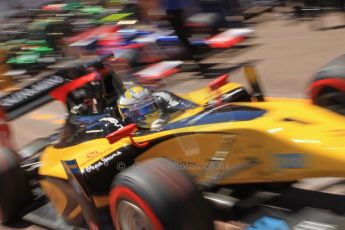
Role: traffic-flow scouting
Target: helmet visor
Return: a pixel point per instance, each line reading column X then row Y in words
column 144, row 108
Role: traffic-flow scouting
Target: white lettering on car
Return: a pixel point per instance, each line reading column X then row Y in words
column 103, row 162
column 113, row 121
column 167, row 97
column 34, row 89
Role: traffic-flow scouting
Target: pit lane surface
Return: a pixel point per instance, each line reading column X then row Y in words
column 289, row 52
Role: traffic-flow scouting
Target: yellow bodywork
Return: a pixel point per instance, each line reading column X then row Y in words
column 292, row 140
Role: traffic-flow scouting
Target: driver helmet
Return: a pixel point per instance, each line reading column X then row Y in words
column 137, row 105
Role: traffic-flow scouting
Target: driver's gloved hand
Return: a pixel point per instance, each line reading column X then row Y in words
column 80, row 110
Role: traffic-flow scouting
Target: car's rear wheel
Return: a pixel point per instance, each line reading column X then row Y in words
column 334, row 100
column 15, row 193
column 158, row 195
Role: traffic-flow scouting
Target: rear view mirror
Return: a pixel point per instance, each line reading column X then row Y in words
column 219, row 82
column 126, row 131
column 122, row 133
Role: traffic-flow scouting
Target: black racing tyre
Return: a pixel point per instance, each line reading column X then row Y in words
column 334, row 100
column 158, row 195
column 15, row 193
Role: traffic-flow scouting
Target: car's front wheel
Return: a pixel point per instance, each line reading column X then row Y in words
column 158, row 195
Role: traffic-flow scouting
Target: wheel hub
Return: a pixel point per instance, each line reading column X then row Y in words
column 131, row 217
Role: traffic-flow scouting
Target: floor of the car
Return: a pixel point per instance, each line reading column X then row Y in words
column 46, row 216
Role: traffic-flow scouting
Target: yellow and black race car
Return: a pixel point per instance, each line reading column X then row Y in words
column 224, row 135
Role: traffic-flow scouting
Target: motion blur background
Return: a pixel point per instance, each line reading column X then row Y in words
column 289, row 40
